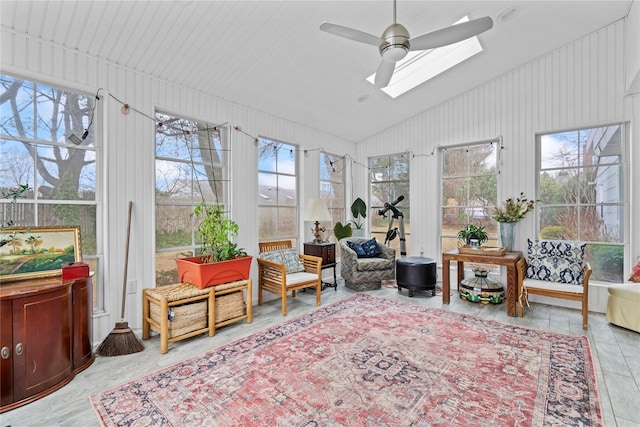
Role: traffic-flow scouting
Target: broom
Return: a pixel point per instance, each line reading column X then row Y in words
column 122, row 340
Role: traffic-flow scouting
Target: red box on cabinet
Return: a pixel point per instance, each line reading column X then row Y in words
column 75, row 270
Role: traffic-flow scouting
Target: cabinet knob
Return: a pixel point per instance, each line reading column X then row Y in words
column 5, row 352
column 19, row 348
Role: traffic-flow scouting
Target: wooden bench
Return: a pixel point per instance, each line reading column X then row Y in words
column 553, row 289
column 184, row 310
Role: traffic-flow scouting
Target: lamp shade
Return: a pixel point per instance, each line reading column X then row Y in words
column 316, row 210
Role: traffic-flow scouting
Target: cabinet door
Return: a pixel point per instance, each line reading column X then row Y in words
column 6, row 362
column 42, row 337
column 82, row 327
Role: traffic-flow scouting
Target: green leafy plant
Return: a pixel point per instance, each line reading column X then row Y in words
column 342, row 231
column 217, row 232
column 13, row 195
column 358, row 209
column 473, row 232
column 514, row 210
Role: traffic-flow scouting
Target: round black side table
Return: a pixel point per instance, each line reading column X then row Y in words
column 416, row 273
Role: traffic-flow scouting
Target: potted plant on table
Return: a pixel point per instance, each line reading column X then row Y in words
column 473, row 235
column 220, row 260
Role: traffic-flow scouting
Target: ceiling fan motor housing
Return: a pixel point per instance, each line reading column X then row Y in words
column 396, row 44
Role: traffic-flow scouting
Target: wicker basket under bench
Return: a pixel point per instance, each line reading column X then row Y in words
column 188, row 307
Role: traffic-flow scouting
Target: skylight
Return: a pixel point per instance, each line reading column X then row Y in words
column 418, row 67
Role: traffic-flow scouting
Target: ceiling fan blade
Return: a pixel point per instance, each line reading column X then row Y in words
column 350, row 33
column 452, row 34
column 384, row 74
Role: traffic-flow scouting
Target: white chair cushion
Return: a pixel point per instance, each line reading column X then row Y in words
column 553, row 286
column 295, row 278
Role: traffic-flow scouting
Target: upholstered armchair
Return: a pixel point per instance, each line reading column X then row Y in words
column 281, row 269
column 366, row 274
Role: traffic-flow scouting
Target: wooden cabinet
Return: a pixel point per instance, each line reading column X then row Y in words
column 45, row 337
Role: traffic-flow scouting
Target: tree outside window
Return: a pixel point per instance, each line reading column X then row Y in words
column 191, row 167
column 38, row 124
column 389, row 179
column 581, row 191
column 277, row 191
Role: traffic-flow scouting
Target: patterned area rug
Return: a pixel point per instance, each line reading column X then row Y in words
column 371, row 361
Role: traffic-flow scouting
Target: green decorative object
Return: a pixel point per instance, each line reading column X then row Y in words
column 481, row 288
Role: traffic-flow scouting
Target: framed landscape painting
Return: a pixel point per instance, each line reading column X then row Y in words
column 35, row 252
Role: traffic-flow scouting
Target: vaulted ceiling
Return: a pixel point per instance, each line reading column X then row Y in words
column 271, row 56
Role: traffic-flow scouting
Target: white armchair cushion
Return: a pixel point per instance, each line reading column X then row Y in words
column 295, row 278
column 552, row 286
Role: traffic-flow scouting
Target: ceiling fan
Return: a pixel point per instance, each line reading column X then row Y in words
column 395, row 42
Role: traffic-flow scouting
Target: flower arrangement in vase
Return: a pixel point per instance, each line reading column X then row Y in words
column 507, row 215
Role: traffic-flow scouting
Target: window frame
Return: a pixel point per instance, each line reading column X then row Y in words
column 622, row 205
column 404, row 205
column 196, row 193
column 338, row 212
column 278, row 145
column 92, row 124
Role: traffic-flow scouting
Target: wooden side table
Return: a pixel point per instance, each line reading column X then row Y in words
column 508, row 260
column 326, row 251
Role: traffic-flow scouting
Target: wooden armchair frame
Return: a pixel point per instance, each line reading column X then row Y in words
column 272, row 276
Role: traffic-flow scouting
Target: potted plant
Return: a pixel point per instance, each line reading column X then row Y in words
column 220, row 260
column 342, row 231
column 358, row 210
column 473, row 235
column 511, row 212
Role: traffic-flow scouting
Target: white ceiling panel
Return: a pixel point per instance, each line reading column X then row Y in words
column 271, row 55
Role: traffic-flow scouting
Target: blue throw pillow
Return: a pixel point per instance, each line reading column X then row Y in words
column 358, row 249
column 371, row 248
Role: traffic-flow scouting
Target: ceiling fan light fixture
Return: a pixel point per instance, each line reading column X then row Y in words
column 394, row 53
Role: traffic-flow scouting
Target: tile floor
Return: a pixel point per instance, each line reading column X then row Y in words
column 616, row 354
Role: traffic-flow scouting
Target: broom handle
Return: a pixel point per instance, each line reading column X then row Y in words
column 126, row 263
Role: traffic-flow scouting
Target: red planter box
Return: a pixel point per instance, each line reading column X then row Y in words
column 203, row 275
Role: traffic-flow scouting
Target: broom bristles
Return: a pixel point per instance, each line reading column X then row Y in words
column 120, row 341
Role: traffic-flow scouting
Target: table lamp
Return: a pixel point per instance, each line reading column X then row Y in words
column 317, row 211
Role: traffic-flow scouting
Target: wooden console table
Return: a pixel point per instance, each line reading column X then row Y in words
column 508, row 260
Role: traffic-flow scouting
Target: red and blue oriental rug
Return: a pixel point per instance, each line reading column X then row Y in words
column 371, row 361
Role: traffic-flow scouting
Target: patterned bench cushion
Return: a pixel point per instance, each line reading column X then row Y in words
column 559, row 262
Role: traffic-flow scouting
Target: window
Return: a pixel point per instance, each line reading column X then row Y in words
column 389, row 179
column 582, row 198
column 191, row 167
column 43, row 144
column 277, row 191
column 469, row 190
column 332, row 173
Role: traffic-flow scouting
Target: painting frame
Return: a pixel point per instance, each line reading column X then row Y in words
column 50, row 248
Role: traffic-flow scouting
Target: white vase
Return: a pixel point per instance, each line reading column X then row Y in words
column 507, row 235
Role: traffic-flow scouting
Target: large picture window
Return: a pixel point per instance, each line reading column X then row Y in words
column 332, row 174
column 388, row 180
column 191, row 167
column 47, row 141
column 277, row 191
column 469, row 190
column 581, row 187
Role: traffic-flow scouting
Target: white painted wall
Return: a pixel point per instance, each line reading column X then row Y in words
column 583, row 84
column 129, row 151
column 586, row 83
